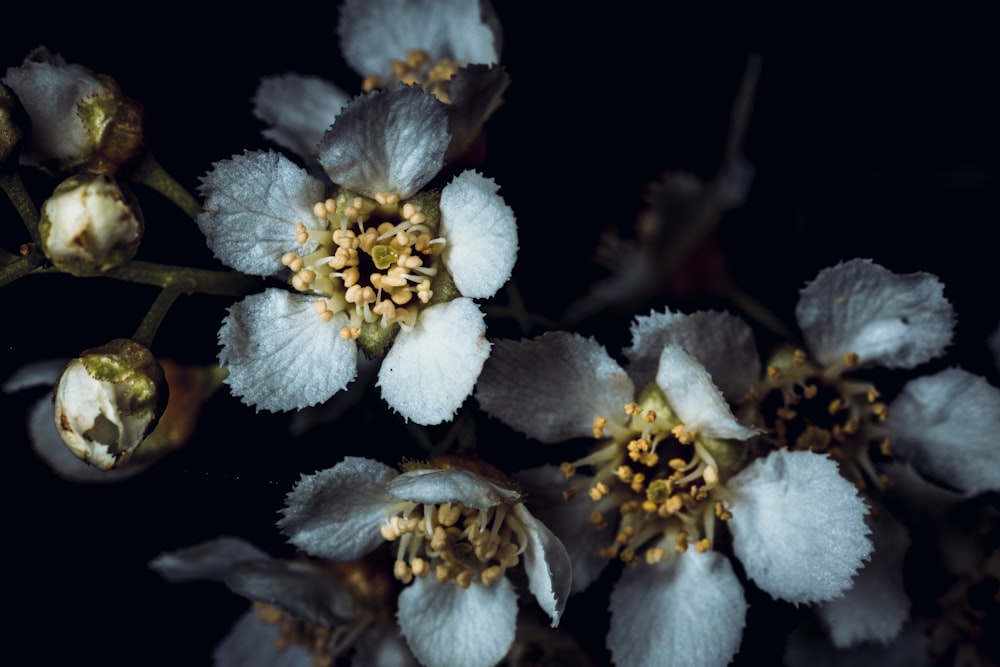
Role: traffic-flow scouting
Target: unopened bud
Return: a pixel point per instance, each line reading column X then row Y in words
column 107, row 400
column 81, row 121
column 89, row 226
column 14, row 126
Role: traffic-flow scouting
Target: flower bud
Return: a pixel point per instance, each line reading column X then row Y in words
column 81, row 121
column 14, row 126
column 107, row 400
column 89, row 225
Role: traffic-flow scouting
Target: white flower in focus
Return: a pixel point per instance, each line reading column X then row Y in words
column 381, row 264
column 456, row 525
column 664, row 478
column 79, row 119
column 448, row 47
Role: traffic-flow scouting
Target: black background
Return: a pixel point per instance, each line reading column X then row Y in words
column 873, row 136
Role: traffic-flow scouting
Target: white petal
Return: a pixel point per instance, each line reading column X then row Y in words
column 568, row 519
column 387, row 141
column 280, row 356
column 211, row 560
column 251, row 643
column 876, row 606
column 798, row 526
column 450, row 485
column 898, row 321
column 723, row 343
column 252, row 203
column 448, row 626
column 686, row 613
column 337, row 513
column 549, row 569
column 372, row 34
column 481, row 234
column 694, row 397
column 552, row 387
column 299, row 110
column 946, row 425
column 430, row 371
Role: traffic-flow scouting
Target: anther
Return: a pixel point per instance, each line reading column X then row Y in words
column 703, row 545
column 799, row 357
column 681, row 543
column 810, row 391
column 655, row 554
column 881, row 411
column 722, row 512
column 852, row 359
column 567, row 468
column 402, row 571
column 420, row 567
column 599, row 490
column 774, row 373
column 710, row 475
column 834, row 406
column 599, row 424
column 464, row 578
column 491, row 574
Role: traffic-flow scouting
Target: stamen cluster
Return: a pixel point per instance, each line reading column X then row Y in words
column 419, row 68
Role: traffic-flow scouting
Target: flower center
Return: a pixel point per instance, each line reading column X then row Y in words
column 806, row 407
column 655, row 479
column 456, row 543
column 419, row 68
column 323, row 644
column 375, row 260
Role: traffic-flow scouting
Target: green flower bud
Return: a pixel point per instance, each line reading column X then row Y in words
column 81, row 120
column 89, row 225
column 14, row 126
column 107, row 400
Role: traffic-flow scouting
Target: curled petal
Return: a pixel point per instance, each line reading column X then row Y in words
column 481, row 233
column 798, row 526
column 552, row 387
column 550, row 572
column 448, row 626
column 946, row 425
column 280, row 356
column 252, row 204
column 337, row 513
column 450, row 486
column 859, row 307
column 430, row 371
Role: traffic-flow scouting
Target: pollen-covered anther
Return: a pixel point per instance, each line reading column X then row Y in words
column 350, row 333
column 655, row 554
column 681, row 542
column 568, row 469
column 627, row 556
column 599, row 490
column 774, row 373
column 627, row 533
column 624, row 473
column 419, row 567
column 650, row 416
column 684, row 436
column 809, row 391
column 632, row 409
column 852, row 359
column 722, row 513
column 599, row 424
column 491, row 574
column 786, row 414
column 834, row 406
column 703, row 545
column 448, row 515
column 464, row 578
column 881, row 411
column 885, row 447
column 301, row 233
column 402, row 571
column 799, row 357
column 596, row 519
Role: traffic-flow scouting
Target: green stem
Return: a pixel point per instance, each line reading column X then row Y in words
column 187, row 280
column 149, row 172
column 14, row 187
column 151, row 323
column 20, row 267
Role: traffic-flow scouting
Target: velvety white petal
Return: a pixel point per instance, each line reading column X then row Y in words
column 808, row 647
column 798, row 526
column 450, row 626
column 723, row 343
column 876, row 606
column 298, row 588
column 280, row 356
column 251, row 643
column 549, row 569
column 49, row 446
column 299, row 109
column 947, row 426
column 552, row 387
column 481, row 233
column 430, row 371
column 373, row 34
column 451, row 485
column 390, row 140
column 694, row 397
column 35, row 374
column 686, row 613
column 252, row 203
column 337, row 513
column 568, row 519
column 894, row 320
column 211, row 560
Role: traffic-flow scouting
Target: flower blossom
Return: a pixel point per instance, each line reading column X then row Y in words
column 456, row 525
column 449, row 47
column 666, row 475
column 378, row 264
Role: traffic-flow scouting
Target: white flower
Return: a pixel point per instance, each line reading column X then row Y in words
column 382, row 264
column 457, row 526
column 447, row 46
column 305, row 613
column 664, row 477
column 79, row 119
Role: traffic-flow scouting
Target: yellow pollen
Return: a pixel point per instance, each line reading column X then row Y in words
column 638, row 480
column 632, row 409
column 683, row 436
column 349, row 333
column 599, row 490
column 599, row 424
column 655, row 554
column 624, row 473
column 873, row 395
column 681, row 543
column 627, row 533
column 402, row 571
column 722, row 512
column 799, row 357
column 629, row 506
column 774, row 373
column 449, row 516
column 388, row 532
column 703, row 545
column 852, row 359
column 786, row 414
column 597, row 521
column 464, row 578
column 834, row 406
column 568, row 469
column 677, row 464
column 810, row 391
column 420, row 567
column 491, row 574
column 881, row 411
column 508, row 555
column 851, row 426
column 627, row 556
column 648, row 506
column 885, row 447
column 650, row 417
column 607, row 553
column 674, row 504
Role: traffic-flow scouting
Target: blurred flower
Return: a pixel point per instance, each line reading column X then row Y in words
column 307, row 613
column 80, row 120
column 446, row 46
column 89, row 225
column 457, row 525
column 382, row 264
column 664, row 475
column 14, row 126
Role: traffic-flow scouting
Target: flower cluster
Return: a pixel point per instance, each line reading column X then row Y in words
column 525, row 488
